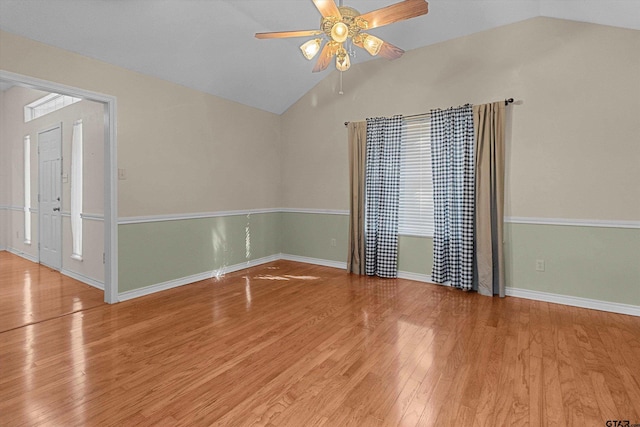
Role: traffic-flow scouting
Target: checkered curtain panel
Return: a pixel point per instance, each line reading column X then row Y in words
column 452, row 158
column 382, row 190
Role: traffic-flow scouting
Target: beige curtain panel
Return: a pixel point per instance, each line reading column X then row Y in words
column 357, row 155
column 489, row 125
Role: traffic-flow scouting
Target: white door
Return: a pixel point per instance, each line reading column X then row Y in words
column 50, row 173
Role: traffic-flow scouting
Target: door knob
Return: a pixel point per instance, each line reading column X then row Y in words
column 56, row 209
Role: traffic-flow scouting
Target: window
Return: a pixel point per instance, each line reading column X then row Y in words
column 415, row 215
column 47, row 104
column 27, row 189
column 76, row 191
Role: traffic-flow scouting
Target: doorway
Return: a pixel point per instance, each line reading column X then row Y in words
column 110, row 170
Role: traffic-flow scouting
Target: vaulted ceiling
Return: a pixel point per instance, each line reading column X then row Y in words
column 209, row 45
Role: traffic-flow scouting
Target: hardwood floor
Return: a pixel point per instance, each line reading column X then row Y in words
column 290, row 344
column 32, row 293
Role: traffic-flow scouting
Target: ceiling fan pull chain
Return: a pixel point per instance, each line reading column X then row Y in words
column 340, row 92
column 351, row 51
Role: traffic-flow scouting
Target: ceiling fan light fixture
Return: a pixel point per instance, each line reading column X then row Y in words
column 342, row 26
column 310, row 48
column 343, row 63
column 339, row 32
column 372, row 44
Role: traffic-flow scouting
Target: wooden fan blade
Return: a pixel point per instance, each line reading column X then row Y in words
column 325, row 58
column 390, row 51
column 328, row 8
column 396, row 12
column 285, row 34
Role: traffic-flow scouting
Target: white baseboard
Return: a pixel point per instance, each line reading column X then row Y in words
column 416, row 276
column 316, row 261
column 513, row 292
column 23, row 255
column 147, row 290
column 84, row 279
column 79, row 277
column 343, row 265
column 613, row 307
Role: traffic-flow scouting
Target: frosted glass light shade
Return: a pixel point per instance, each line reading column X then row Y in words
column 372, row 44
column 310, row 48
column 339, row 32
column 342, row 60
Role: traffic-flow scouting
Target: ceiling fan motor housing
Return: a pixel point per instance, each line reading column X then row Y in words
column 350, row 17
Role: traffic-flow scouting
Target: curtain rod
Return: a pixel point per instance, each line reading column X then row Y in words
column 507, row 101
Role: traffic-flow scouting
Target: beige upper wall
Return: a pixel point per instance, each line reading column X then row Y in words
column 183, row 151
column 573, row 138
column 572, row 152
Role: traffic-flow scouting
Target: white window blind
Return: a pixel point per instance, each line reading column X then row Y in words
column 416, row 185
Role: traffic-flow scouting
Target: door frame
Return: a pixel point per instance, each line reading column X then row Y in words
column 110, row 169
column 40, row 212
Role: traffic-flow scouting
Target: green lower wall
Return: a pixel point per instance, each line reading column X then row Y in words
column 589, row 262
column 415, row 254
column 310, row 234
column 156, row 252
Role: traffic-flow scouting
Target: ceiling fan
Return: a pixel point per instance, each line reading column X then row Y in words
column 342, row 24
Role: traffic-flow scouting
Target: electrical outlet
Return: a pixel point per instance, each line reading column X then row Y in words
column 539, row 265
column 122, row 173
column 333, row 242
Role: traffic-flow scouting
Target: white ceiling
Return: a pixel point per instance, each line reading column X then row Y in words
column 209, row 45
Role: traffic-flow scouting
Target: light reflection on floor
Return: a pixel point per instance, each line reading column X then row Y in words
column 284, row 277
column 247, row 292
column 78, row 387
column 28, row 303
